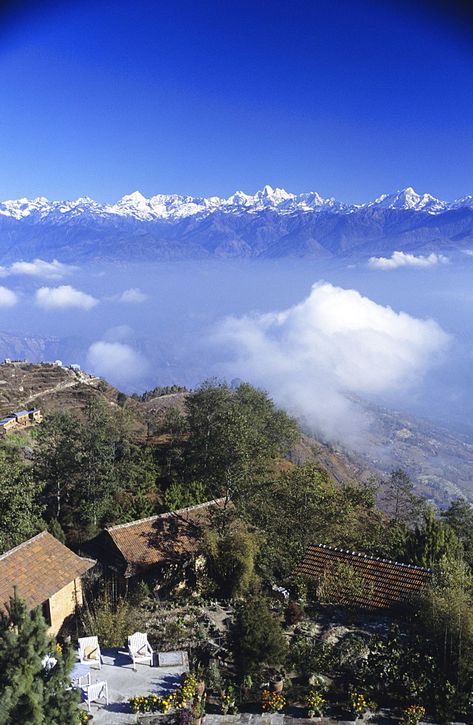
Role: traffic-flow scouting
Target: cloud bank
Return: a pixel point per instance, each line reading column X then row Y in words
column 403, row 259
column 8, row 298
column 336, row 343
column 39, row 268
column 63, row 297
column 117, row 361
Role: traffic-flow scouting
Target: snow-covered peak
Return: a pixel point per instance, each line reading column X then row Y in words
column 177, row 207
column 409, row 199
column 464, row 202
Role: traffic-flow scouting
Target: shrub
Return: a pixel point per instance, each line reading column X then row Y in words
column 294, row 613
column 110, row 619
column 272, row 701
column 258, row 640
column 358, row 704
column 315, row 702
column 413, row 714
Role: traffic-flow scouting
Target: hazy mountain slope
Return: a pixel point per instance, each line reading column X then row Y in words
column 439, row 461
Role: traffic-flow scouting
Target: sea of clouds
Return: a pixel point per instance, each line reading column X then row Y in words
column 394, row 331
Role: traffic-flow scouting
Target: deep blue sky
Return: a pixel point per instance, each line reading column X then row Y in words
column 348, row 97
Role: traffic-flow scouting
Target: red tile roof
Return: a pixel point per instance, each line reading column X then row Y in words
column 39, row 568
column 148, row 542
column 385, row 583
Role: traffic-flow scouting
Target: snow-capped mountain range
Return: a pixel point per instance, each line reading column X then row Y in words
column 177, row 207
column 272, row 223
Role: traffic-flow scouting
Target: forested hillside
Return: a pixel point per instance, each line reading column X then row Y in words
column 91, row 466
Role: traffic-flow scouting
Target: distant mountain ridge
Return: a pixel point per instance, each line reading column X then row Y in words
column 269, row 224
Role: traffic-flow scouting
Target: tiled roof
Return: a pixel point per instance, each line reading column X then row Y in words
column 155, row 540
column 39, row 568
column 385, row 583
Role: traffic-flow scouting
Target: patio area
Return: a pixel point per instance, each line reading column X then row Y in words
column 123, row 682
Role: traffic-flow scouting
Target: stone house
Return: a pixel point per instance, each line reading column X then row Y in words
column 46, row 574
column 162, row 549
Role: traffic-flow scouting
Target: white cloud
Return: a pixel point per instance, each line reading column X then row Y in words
column 39, row 268
column 116, row 361
column 404, row 259
column 63, row 297
column 335, row 343
column 132, row 296
column 8, row 298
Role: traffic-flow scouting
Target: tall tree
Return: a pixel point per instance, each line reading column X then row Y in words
column 230, row 555
column 433, row 540
column 233, row 434
column 56, row 461
column 459, row 516
column 400, row 501
column 20, row 510
column 445, row 616
column 98, row 449
column 30, row 692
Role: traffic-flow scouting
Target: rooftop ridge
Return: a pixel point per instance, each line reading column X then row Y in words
column 45, row 532
column 371, row 558
column 22, row 545
column 166, row 514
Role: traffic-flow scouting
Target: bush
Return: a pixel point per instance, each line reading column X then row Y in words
column 258, row 640
column 111, row 620
column 294, row 613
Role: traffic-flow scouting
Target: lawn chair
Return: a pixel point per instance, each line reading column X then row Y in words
column 95, row 692
column 89, row 651
column 140, row 649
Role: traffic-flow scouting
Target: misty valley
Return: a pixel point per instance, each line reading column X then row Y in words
column 337, row 345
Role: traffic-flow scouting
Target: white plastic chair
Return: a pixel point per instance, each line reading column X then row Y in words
column 140, row 649
column 89, row 651
column 94, row 692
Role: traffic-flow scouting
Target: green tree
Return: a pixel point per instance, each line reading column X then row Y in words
column 432, row 540
column 96, row 470
column 258, row 638
column 29, row 692
column 459, row 516
column 302, row 506
column 233, row 435
column 172, row 430
column 400, row 501
column 446, row 626
column 181, row 495
column 230, row 555
column 20, row 510
column 56, row 461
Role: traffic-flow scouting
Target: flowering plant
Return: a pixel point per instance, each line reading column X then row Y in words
column 228, row 701
column 178, row 699
column 185, row 716
column 358, row 704
column 272, row 701
column 315, row 702
column 413, row 714
column 188, row 686
column 145, row 703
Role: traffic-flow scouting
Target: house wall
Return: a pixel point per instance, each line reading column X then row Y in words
column 63, row 604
